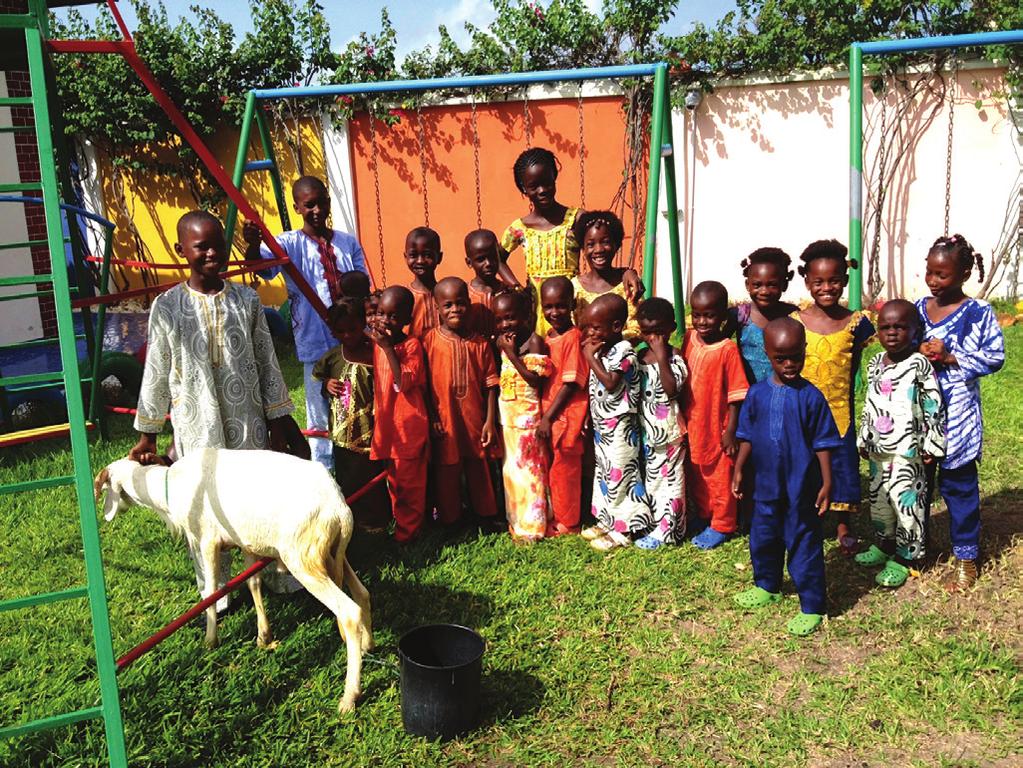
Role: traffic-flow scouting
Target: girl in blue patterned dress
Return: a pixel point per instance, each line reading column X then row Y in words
column 963, row 341
column 767, row 272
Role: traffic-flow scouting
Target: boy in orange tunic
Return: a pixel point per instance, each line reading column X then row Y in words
column 713, row 394
column 401, row 429
column 422, row 255
column 483, row 257
column 565, row 405
column 463, row 383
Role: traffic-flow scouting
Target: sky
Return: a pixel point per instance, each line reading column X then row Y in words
column 415, row 21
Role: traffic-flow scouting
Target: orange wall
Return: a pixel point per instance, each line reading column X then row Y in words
column 450, row 178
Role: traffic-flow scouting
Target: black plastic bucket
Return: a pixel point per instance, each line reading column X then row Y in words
column 440, row 680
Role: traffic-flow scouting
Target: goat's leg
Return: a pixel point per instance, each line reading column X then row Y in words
column 361, row 596
column 209, row 552
column 264, row 637
column 314, row 577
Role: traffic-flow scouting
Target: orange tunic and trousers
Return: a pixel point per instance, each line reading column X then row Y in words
column 567, row 442
column 401, row 433
column 461, row 371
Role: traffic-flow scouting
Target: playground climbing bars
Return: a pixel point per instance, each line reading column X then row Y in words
column 880, row 48
column 661, row 149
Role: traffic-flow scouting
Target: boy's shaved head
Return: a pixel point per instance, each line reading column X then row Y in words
column 192, row 218
column 480, row 238
column 709, row 293
column 900, row 308
column 449, row 286
column 557, row 285
column 424, row 233
column 308, row 184
column 397, row 297
column 784, row 332
column 611, row 306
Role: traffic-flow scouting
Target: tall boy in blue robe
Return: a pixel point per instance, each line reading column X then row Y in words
column 786, row 430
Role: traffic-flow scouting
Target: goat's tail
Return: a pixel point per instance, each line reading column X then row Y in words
column 101, row 482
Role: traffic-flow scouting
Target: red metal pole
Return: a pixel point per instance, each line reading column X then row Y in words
column 231, row 586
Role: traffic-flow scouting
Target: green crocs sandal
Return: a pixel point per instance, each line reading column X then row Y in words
column 873, row 557
column 803, row 624
column 893, row 575
column 756, row 597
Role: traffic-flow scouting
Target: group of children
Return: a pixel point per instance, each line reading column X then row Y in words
column 571, row 392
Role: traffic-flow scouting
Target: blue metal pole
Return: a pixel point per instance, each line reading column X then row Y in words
column 479, row 81
column 949, row 41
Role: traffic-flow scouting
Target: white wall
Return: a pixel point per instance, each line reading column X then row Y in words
column 19, row 319
column 769, row 167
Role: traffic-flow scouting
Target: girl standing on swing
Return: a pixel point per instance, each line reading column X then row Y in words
column 545, row 232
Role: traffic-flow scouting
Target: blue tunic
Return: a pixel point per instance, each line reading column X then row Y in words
column 973, row 335
column 786, row 425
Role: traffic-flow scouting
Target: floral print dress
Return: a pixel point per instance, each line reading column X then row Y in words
column 525, row 461
column 619, row 495
column 663, row 453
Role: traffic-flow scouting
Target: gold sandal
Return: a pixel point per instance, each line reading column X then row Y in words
column 964, row 577
column 612, row 540
column 594, row 532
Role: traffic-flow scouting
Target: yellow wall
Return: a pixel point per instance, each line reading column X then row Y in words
column 154, row 201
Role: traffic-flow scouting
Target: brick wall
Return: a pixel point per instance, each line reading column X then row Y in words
column 28, row 171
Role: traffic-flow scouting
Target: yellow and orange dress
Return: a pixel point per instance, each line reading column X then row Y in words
column 525, row 455
column 584, row 297
column 549, row 253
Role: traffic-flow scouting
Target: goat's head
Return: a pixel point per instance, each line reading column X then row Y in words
column 118, row 479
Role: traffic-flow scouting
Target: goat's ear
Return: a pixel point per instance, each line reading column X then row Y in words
column 112, row 503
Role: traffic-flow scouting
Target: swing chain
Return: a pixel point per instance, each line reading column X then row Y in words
column 476, row 161
column 950, row 88
column 526, row 119
column 882, row 158
column 376, row 192
column 582, row 153
column 421, row 133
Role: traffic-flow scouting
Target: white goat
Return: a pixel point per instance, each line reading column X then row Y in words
column 269, row 505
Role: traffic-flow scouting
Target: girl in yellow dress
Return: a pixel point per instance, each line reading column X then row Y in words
column 525, row 364
column 545, row 233
column 600, row 235
column 835, row 338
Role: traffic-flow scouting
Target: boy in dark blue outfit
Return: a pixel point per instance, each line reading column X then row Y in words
column 786, row 427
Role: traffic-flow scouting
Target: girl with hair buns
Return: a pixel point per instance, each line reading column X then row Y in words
column 835, row 339
column 964, row 342
column 767, row 276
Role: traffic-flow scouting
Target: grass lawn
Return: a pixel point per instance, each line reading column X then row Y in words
column 632, row 658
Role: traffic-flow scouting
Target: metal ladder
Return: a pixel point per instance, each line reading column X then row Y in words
column 33, row 27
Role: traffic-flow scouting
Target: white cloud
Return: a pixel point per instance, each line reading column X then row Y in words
column 454, row 16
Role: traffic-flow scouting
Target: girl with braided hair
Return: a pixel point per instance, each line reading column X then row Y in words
column 964, row 342
column 545, row 233
column 600, row 235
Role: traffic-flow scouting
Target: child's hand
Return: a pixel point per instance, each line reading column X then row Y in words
column 543, row 429
column 334, row 387
column 437, row 428
column 634, row 288
column 590, row 347
column 658, row 345
column 379, row 336
column 926, row 457
column 934, row 350
column 865, row 455
column 728, row 443
column 506, row 342
column 737, row 484
column 251, row 233
column 487, row 436
column 823, row 502
column 144, row 451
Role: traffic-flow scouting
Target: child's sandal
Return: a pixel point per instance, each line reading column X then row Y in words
column 849, row 545
column 649, row 543
column 893, row 575
column 612, row 540
column 803, row 624
column 594, row 532
column 756, row 597
column 873, row 557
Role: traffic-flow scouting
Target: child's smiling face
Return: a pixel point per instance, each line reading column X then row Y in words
column 313, row 205
column 452, row 299
column 709, row 314
column 509, row 315
column 538, row 185
column 201, row 243
column 826, row 280
column 556, row 301
column 422, row 255
column 599, row 246
column 945, row 275
column 394, row 312
column 765, row 282
column 482, row 257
